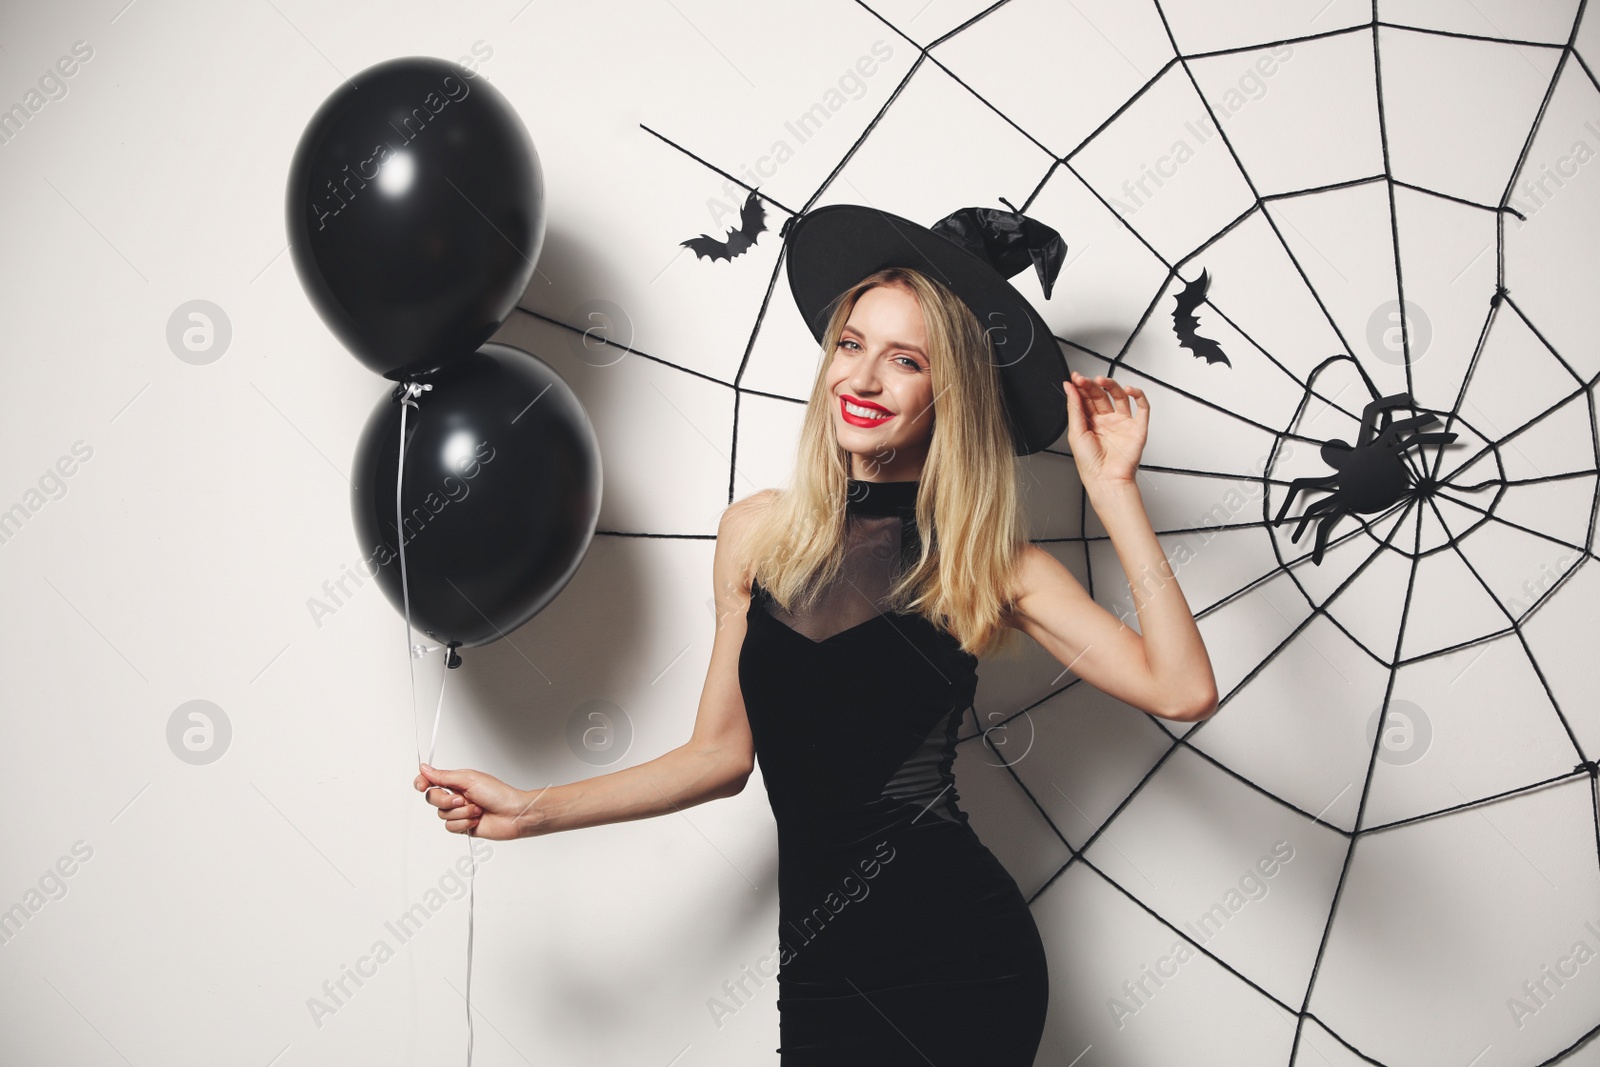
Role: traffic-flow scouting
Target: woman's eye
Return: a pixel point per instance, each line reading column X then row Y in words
column 854, row 346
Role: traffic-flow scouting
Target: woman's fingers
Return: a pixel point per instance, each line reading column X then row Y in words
column 1119, row 396
column 446, row 791
column 1075, row 414
column 1100, row 398
column 457, row 781
column 1109, row 395
column 440, row 798
column 465, row 797
column 1088, row 393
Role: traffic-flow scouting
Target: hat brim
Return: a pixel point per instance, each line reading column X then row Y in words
column 832, row 248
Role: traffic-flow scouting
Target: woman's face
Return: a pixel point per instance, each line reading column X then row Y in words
column 881, row 365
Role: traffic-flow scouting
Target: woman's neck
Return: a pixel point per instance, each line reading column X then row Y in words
column 907, row 470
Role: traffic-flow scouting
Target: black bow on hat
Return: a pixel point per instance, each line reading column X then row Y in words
column 1009, row 240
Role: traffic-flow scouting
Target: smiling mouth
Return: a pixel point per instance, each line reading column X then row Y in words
column 861, row 415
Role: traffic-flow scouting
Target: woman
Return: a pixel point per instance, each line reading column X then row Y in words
column 852, row 609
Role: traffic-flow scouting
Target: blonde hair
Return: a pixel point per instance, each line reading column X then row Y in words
column 967, row 501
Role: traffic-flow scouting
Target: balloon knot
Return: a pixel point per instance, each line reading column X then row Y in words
column 406, row 392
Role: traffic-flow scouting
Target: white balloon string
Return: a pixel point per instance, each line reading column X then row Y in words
column 412, row 390
column 472, row 885
column 472, row 880
column 433, row 745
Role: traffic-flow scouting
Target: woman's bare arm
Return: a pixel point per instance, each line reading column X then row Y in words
column 1163, row 668
column 715, row 762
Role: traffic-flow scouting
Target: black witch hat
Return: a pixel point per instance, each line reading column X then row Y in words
column 972, row 251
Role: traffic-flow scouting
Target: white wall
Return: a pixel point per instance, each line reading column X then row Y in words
column 208, row 905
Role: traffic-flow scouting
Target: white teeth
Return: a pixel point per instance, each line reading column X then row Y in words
column 866, row 413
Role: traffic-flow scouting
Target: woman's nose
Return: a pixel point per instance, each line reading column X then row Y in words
column 864, row 382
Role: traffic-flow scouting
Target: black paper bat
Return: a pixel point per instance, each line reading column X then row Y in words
column 1184, row 323
column 752, row 220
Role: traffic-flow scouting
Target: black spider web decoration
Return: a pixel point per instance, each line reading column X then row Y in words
column 1472, row 495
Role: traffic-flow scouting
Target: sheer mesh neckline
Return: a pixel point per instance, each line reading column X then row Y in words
column 878, row 539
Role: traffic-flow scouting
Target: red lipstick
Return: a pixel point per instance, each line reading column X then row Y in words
column 862, row 420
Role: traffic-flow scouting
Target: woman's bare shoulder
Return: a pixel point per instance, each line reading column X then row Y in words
column 752, row 503
column 1038, row 575
column 738, row 516
column 733, row 530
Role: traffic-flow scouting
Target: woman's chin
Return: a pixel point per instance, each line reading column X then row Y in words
column 863, row 441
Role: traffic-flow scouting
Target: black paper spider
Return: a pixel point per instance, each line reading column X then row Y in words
column 1371, row 475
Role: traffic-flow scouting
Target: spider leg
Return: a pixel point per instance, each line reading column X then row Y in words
column 1391, row 433
column 1297, row 485
column 1306, row 516
column 1434, row 438
column 1324, row 528
column 1369, row 414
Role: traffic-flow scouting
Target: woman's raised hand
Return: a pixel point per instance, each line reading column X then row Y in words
column 1106, row 428
column 480, row 806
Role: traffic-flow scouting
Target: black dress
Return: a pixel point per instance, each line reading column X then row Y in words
column 902, row 939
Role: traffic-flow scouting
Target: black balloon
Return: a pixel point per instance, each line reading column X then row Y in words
column 415, row 211
column 500, row 498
